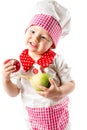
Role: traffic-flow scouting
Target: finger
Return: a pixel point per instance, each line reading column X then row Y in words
column 52, row 82
column 42, row 93
column 10, row 68
column 7, row 64
column 43, row 88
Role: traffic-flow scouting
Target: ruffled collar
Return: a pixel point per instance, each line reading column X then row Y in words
column 27, row 62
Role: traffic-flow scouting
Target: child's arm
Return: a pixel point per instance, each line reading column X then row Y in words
column 55, row 92
column 10, row 88
column 67, row 87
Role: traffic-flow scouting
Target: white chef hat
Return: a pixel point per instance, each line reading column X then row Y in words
column 53, row 17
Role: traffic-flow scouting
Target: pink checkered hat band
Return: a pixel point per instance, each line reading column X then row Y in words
column 50, row 24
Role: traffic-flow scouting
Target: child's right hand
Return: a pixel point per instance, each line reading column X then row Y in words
column 7, row 69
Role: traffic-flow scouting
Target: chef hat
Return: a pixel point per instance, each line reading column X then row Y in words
column 53, row 17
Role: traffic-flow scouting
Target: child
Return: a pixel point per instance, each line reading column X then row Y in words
column 46, row 109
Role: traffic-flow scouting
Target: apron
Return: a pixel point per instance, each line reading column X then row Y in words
column 49, row 118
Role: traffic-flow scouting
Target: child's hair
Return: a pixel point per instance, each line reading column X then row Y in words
column 54, row 18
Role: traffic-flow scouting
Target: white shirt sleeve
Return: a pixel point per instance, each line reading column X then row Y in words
column 62, row 69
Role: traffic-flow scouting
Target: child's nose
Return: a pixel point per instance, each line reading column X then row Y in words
column 36, row 38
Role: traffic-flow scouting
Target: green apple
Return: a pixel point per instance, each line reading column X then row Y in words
column 40, row 79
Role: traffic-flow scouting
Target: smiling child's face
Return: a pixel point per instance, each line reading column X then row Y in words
column 38, row 40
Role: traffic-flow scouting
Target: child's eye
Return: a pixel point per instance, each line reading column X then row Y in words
column 32, row 31
column 43, row 37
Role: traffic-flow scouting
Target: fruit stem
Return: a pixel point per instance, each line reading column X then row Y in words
column 25, row 77
column 21, row 76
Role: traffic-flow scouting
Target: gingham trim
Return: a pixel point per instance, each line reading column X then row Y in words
column 51, row 118
column 50, row 24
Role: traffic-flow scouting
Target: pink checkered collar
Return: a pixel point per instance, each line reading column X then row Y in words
column 44, row 61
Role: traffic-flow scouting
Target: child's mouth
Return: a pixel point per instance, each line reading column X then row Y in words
column 33, row 44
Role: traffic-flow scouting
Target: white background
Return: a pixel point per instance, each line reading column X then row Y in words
column 14, row 17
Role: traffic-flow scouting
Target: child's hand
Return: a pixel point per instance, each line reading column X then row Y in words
column 7, row 69
column 53, row 92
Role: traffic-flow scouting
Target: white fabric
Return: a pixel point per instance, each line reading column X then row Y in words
column 60, row 13
column 28, row 94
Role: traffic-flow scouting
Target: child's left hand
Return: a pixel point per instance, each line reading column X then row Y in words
column 53, row 92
